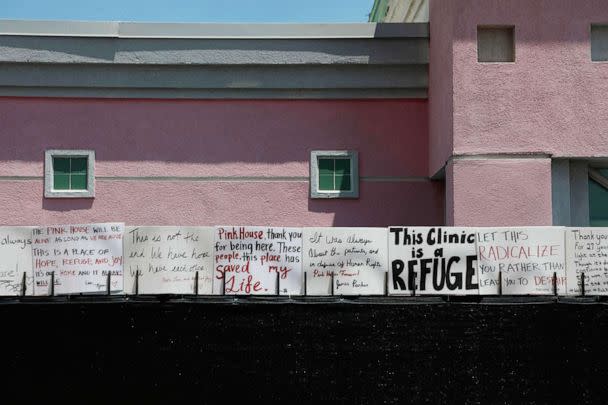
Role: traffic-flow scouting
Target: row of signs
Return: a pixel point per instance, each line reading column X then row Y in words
column 252, row 260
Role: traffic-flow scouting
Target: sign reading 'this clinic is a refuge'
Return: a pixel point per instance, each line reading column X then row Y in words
column 432, row 260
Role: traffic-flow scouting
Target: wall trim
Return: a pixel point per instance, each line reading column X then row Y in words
column 500, row 156
column 304, row 179
column 215, row 94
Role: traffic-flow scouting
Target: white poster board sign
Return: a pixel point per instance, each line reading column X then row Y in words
column 432, row 260
column 357, row 258
column 81, row 256
column 587, row 252
column 167, row 259
column 15, row 260
column 249, row 258
column 527, row 258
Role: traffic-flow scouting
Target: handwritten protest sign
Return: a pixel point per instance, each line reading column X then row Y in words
column 81, row 256
column 587, row 252
column 357, row 258
column 168, row 258
column 248, row 259
column 432, row 260
column 15, row 259
column 527, row 258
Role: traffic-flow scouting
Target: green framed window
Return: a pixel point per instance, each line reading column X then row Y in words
column 334, row 174
column 598, row 197
column 69, row 174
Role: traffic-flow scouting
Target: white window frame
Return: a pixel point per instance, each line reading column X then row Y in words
column 49, row 192
column 315, row 155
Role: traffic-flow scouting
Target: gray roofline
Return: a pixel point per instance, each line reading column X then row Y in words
column 167, row 60
column 211, row 30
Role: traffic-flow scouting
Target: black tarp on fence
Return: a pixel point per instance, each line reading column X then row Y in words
column 377, row 350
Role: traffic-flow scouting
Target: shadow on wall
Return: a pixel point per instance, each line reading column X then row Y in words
column 219, row 131
column 65, row 205
column 536, row 22
column 228, row 138
column 415, row 204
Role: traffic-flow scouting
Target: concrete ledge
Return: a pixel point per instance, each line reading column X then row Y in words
column 207, row 81
column 214, row 94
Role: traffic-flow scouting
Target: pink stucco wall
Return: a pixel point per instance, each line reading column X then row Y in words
column 550, row 102
column 499, row 192
column 220, row 139
column 214, row 138
column 229, row 203
column 552, row 99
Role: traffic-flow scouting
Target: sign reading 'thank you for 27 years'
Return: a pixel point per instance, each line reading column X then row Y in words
column 527, row 258
column 355, row 258
column 79, row 256
column 587, row 253
column 257, row 260
column 432, row 260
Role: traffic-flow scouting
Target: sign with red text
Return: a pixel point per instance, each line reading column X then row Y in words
column 355, row 258
column 527, row 258
column 16, row 260
column 79, row 256
column 587, row 253
column 257, row 260
column 168, row 259
column 432, row 260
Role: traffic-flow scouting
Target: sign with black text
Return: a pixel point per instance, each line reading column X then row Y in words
column 16, row 260
column 257, row 260
column 354, row 258
column 432, row 260
column 78, row 258
column 587, row 254
column 527, row 258
column 168, row 259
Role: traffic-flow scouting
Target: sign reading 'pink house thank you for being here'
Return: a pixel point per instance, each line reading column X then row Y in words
column 258, row 260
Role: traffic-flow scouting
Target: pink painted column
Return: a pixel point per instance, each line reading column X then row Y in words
column 498, row 192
